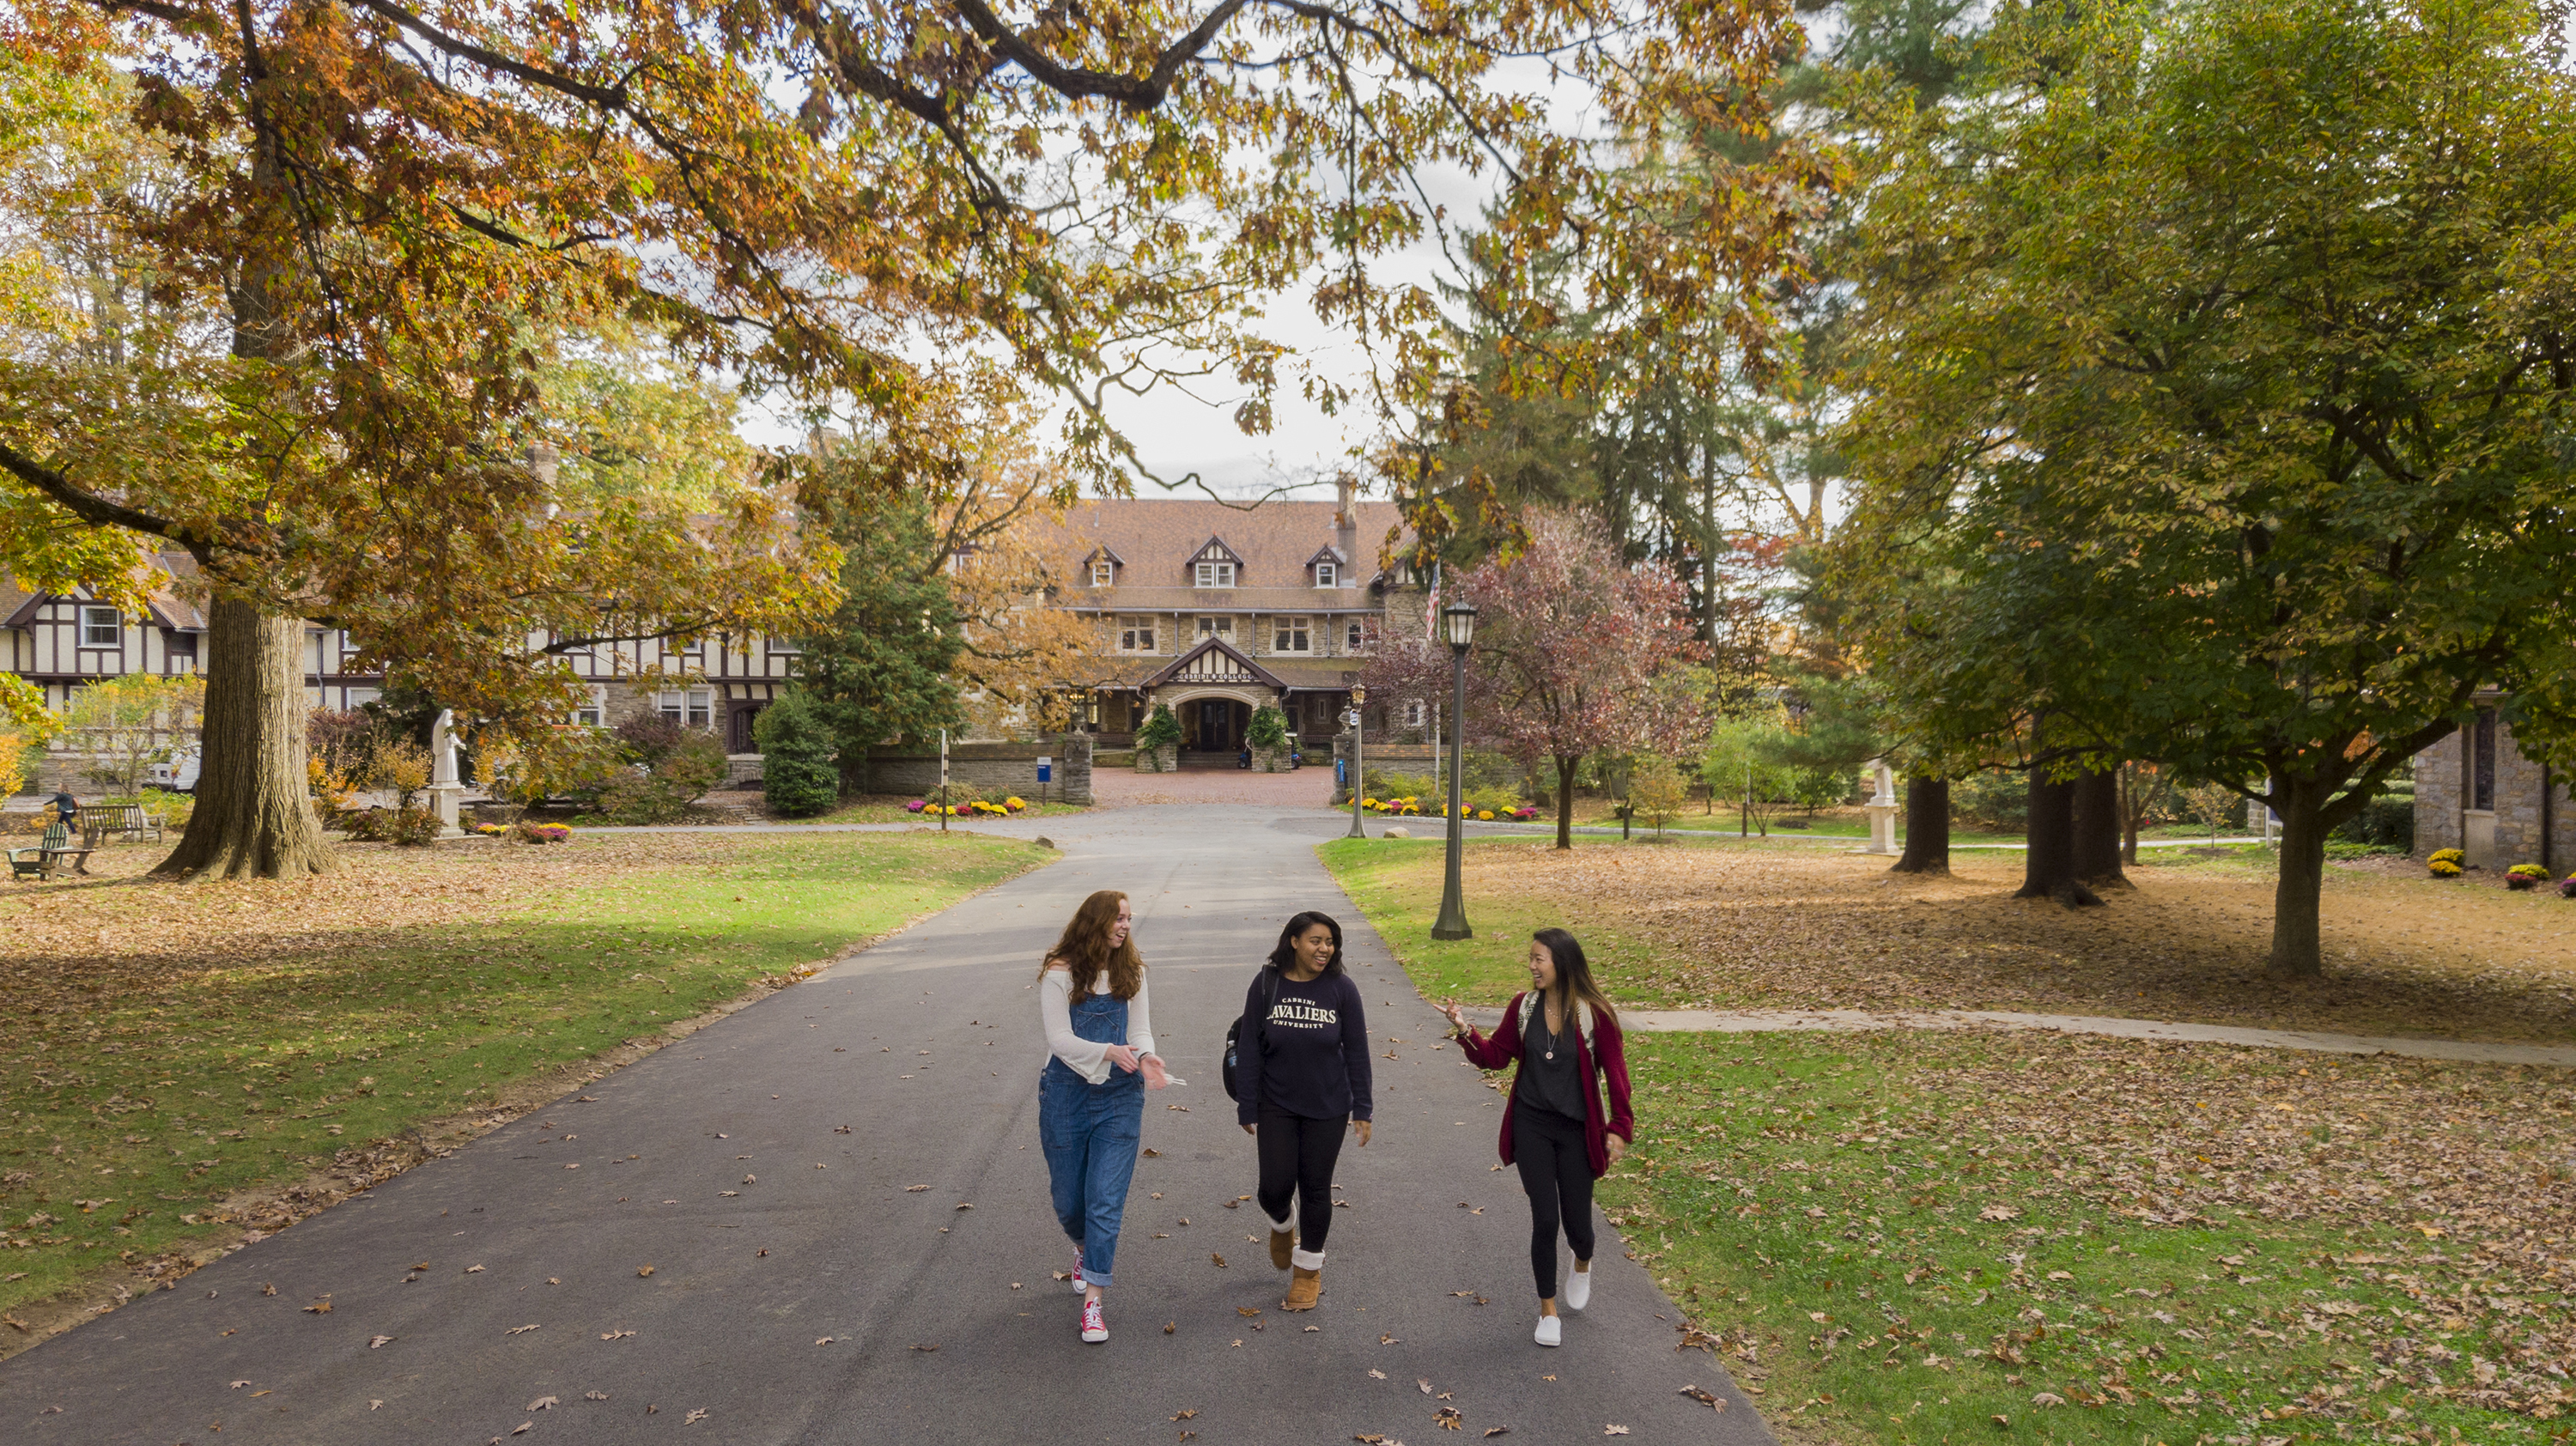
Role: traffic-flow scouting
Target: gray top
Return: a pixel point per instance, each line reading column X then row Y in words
column 1551, row 1084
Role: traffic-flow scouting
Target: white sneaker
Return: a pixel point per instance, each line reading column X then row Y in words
column 1551, row 1331
column 1095, row 1327
column 1078, row 1285
column 1578, row 1290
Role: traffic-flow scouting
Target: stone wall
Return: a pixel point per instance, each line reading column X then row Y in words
column 2441, row 796
column 1007, row 767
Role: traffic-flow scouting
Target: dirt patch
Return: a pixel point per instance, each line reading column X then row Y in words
column 1777, row 927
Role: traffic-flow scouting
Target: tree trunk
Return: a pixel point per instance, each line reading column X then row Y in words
column 2098, row 818
column 2297, row 951
column 1565, row 800
column 1927, row 827
column 2048, row 863
column 2129, row 813
column 254, row 814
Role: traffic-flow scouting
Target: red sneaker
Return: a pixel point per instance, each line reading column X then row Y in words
column 1095, row 1329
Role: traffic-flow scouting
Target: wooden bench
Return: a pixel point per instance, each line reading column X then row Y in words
column 44, row 864
column 128, row 821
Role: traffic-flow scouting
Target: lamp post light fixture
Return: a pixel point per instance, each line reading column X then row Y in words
column 1359, row 701
column 1459, row 623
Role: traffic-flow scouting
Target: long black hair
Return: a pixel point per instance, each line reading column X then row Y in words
column 1286, row 953
column 1574, row 974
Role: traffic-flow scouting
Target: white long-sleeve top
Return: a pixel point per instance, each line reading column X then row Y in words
column 1085, row 1057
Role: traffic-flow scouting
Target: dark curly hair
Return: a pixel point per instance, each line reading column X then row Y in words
column 1286, row 953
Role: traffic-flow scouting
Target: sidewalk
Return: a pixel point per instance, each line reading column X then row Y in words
column 1761, row 1021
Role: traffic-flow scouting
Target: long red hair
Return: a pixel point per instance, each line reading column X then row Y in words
column 1084, row 949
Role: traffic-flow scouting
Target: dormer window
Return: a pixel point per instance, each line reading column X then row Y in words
column 1102, row 567
column 1327, row 575
column 1215, row 565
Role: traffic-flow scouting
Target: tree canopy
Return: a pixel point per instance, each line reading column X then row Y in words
column 2218, row 357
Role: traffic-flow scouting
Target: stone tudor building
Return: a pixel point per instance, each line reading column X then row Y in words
column 1212, row 609
column 2476, row 792
column 1217, row 610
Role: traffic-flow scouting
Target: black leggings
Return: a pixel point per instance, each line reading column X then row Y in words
column 1557, row 1173
column 1297, row 1154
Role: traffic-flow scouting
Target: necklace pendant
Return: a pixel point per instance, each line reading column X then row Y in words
column 1551, row 1054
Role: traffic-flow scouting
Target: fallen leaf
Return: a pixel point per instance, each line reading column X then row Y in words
column 965, row 1206
column 1314, row 1330
column 1245, row 1310
column 1376, row 1375
column 1218, row 1259
column 237, row 1385
column 1614, row 1430
column 319, row 1307
column 926, row 1348
column 1388, row 1341
column 1449, row 1419
column 520, row 1330
column 272, row 1290
column 1170, row 1326
column 1188, row 1415
column 1493, row 1431
column 694, row 1417
column 542, row 1403
column 2048, row 1398
column 377, row 1343
column 594, row 1395
column 469, row 1270
column 615, row 1335
column 1705, row 1398
column 823, row 1341
column 522, row 1428
column 1425, row 1383
column 647, row 1270
column 375, row 1405
column 2000, row 1212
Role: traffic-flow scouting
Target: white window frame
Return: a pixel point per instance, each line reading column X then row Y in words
column 593, row 714
column 1292, row 635
column 688, row 707
column 1328, row 574
column 1216, row 625
column 1215, row 574
column 1356, row 640
column 352, row 699
column 1104, row 574
column 90, row 614
column 1136, row 633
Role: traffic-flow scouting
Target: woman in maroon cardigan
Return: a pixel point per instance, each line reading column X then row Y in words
column 1555, row 1127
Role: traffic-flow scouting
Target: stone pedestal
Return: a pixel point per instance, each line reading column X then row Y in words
column 1882, row 809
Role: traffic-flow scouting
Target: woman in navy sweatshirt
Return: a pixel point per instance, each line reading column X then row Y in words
column 1557, row 1126
column 1302, row 1073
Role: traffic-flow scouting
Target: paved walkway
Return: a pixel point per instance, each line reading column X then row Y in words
column 1236, row 787
column 893, row 1284
column 1762, row 1021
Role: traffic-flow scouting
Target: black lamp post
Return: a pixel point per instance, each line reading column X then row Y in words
column 1359, row 699
column 1460, row 624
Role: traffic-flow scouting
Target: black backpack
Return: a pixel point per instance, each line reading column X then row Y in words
column 1231, row 1030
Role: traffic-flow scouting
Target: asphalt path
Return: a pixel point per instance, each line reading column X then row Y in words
column 824, row 1219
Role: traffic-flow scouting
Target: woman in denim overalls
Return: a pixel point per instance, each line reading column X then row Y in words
column 1091, row 1095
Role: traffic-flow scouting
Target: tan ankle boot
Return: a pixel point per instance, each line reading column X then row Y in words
column 1307, row 1282
column 1282, row 1241
column 1303, row 1287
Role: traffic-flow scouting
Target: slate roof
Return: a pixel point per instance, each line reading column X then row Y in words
column 1155, row 538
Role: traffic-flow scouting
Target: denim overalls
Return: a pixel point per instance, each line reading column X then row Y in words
column 1089, row 1132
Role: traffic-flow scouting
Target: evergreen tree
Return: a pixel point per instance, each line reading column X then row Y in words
column 879, row 671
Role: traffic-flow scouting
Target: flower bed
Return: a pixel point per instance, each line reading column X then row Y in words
column 2525, row 876
column 2447, row 863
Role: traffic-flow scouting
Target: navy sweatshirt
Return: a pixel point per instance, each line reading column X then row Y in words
column 1309, row 1056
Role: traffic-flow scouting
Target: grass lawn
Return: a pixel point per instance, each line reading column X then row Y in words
column 1928, row 1238
column 1732, row 926
column 182, row 1063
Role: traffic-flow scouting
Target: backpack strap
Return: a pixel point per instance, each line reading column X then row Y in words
column 1529, row 999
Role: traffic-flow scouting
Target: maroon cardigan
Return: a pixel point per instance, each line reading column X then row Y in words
column 1612, row 1068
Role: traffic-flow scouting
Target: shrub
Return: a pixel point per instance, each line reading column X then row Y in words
column 1161, row 729
column 2444, row 869
column 2448, row 856
column 540, row 833
column 1268, row 729
column 2384, row 822
column 662, row 788
column 2525, row 876
column 407, row 827
column 173, row 809
column 798, row 774
column 2567, row 887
